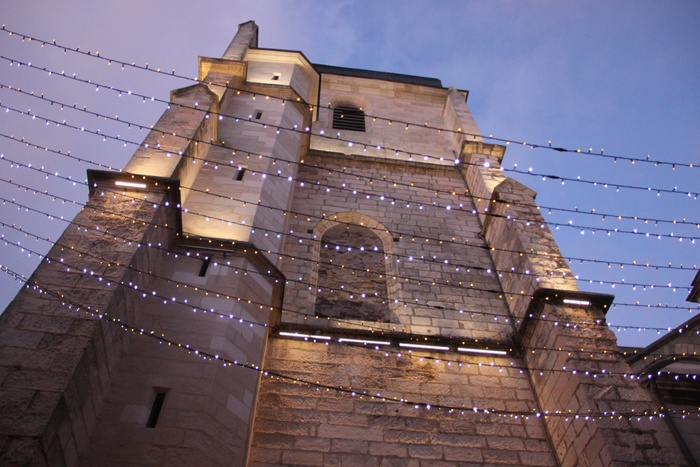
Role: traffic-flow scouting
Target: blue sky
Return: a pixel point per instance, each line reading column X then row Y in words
column 622, row 76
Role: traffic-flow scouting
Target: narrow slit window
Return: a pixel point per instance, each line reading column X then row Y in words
column 239, row 174
column 276, row 77
column 205, row 266
column 155, row 409
column 258, row 115
column 348, row 118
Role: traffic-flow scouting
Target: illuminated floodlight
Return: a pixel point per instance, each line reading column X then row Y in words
column 485, row 351
column 423, row 346
column 571, row 301
column 304, row 336
column 130, row 184
column 362, row 341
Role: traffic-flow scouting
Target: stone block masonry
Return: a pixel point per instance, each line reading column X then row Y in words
column 57, row 361
column 515, row 229
column 206, row 407
column 440, row 277
column 611, row 440
column 302, row 425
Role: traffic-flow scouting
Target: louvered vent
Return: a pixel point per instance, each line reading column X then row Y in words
column 348, row 118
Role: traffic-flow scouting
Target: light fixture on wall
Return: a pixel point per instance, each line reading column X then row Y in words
column 130, row 184
column 482, row 351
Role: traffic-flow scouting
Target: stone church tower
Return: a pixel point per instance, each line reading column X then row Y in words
column 312, row 265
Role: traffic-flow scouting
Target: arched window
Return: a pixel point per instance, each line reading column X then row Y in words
column 346, row 117
column 352, row 275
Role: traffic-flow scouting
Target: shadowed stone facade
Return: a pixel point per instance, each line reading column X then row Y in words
column 260, row 296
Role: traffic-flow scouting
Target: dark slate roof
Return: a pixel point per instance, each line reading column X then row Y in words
column 396, row 77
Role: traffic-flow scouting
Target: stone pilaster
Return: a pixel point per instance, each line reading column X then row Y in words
column 564, row 346
column 245, row 38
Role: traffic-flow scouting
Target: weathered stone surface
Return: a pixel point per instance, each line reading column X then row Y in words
column 378, row 429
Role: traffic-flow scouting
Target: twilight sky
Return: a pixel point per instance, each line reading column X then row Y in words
column 619, row 76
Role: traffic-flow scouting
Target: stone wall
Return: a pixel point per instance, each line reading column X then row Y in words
column 298, row 424
column 571, row 356
column 668, row 370
column 440, row 277
column 56, row 360
column 207, row 407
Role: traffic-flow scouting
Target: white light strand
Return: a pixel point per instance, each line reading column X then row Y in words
column 433, row 259
column 145, row 294
column 459, row 131
column 529, row 172
column 206, row 356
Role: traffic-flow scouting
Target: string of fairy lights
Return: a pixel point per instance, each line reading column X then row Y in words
column 619, row 217
column 212, row 310
column 234, row 150
column 531, row 172
column 635, row 232
column 250, row 323
column 473, row 313
column 374, row 329
column 405, row 278
column 633, row 414
column 507, row 141
column 274, row 232
column 204, row 311
column 392, row 199
column 393, row 348
column 105, row 232
column 375, row 343
column 15, row 163
column 370, row 249
column 205, row 290
column 249, row 118
column 622, row 264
